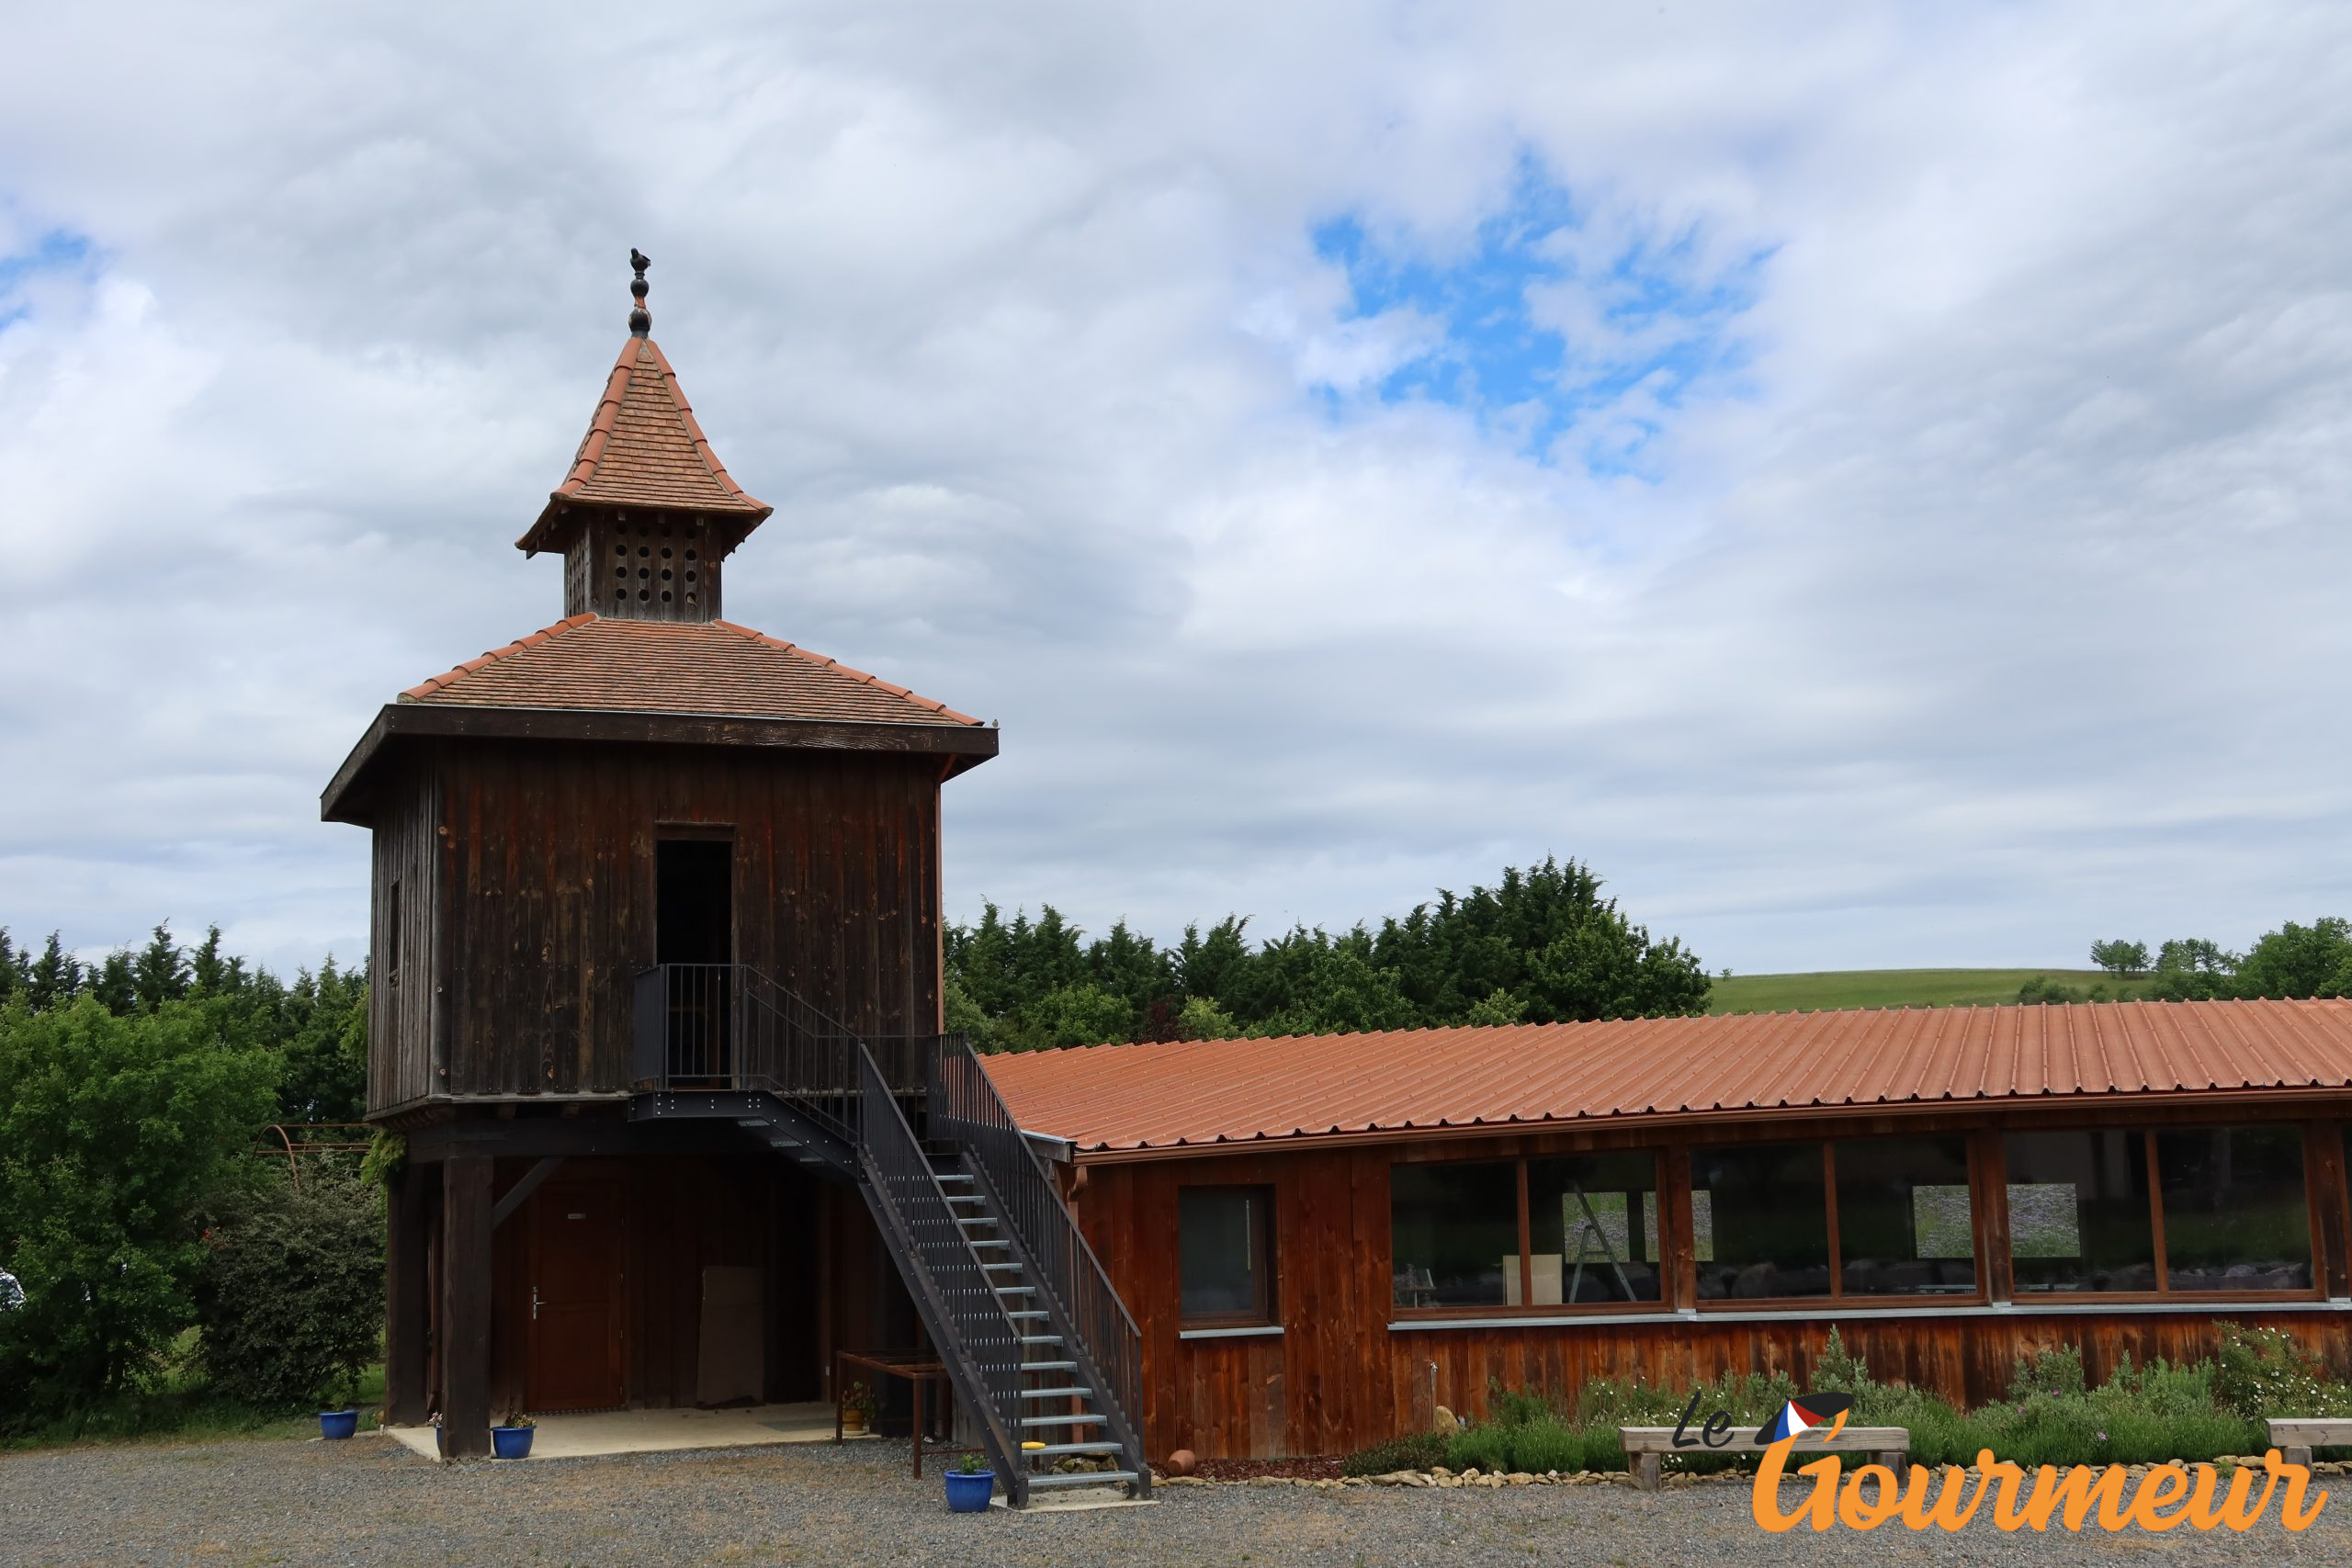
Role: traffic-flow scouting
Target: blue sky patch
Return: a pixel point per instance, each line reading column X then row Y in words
column 59, row 249
column 1573, row 342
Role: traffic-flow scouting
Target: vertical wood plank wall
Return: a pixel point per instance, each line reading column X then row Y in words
column 542, row 868
column 400, row 1016
column 1339, row 1377
column 810, row 1237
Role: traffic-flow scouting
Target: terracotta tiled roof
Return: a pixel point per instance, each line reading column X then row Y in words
column 594, row 661
column 1224, row 1091
column 645, row 449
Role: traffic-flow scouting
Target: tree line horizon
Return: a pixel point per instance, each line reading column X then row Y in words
column 1542, row 945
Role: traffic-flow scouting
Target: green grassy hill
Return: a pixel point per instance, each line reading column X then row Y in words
column 1891, row 989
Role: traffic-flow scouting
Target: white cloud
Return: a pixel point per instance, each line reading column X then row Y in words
column 1998, row 607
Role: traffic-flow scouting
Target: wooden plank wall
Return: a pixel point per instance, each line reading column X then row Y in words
column 686, row 1215
column 400, row 1016
column 1338, row 1377
column 547, row 858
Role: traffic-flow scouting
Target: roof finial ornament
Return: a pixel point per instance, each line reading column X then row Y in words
column 640, row 320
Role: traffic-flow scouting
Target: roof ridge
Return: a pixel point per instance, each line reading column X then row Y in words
column 856, row 674
column 450, row 677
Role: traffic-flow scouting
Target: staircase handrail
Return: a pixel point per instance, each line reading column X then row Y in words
column 966, row 1318
column 964, row 1105
column 700, row 1026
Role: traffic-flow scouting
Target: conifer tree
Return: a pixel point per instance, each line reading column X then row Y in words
column 54, row 979
column 159, row 974
column 112, row 982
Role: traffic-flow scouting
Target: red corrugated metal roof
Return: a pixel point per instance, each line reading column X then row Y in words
column 717, row 667
column 1210, row 1092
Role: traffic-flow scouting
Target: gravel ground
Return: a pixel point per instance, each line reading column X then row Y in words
column 368, row 1502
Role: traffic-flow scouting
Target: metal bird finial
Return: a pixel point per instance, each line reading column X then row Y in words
column 640, row 320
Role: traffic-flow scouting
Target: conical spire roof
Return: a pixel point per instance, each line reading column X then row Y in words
column 644, row 448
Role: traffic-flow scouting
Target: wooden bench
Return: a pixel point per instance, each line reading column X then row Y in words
column 1645, row 1446
column 2296, row 1439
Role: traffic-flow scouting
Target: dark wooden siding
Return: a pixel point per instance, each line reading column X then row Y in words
column 825, row 1281
column 400, row 1007
column 1338, row 1377
column 546, row 893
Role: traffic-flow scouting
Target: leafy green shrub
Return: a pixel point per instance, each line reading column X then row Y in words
column 1414, row 1451
column 291, row 1296
column 2264, row 1373
column 1602, row 1451
column 2056, row 1371
column 2138, row 1416
column 1480, row 1447
column 1540, row 1446
column 113, row 1131
column 1512, row 1408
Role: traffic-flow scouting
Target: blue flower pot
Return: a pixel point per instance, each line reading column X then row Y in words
column 969, row 1493
column 511, row 1442
column 334, row 1423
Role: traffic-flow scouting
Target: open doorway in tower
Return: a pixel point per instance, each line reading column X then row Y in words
column 693, row 938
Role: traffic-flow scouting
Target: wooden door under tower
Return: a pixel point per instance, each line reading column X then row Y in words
column 575, row 1275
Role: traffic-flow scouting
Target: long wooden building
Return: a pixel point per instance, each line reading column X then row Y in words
column 1370, row 1227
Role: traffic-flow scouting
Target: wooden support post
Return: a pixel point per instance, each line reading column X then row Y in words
column 1676, row 1226
column 465, row 1306
column 2324, row 1146
column 1989, row 1206
column 409, row 1200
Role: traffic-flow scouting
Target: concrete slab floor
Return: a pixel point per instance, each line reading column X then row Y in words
column 658, row 1431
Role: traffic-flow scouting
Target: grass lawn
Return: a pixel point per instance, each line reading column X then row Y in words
column 1894, row 988
column 179, row 1409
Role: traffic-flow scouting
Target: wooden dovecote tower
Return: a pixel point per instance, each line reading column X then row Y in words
column 656, row 934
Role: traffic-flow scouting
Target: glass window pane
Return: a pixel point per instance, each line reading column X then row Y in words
column 1769, row 1213
column 1221, row 1252
column 1456, row 1230
column 1592, row 1221
column 2078, row 1212
column 1903, row 1217
column 2233, row 1208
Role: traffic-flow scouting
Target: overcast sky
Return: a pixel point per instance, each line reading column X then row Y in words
column 1873, row 481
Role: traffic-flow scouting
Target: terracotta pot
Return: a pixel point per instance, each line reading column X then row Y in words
column 853, row 1420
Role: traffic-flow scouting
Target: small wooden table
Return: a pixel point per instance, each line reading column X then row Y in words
column 917, row 1368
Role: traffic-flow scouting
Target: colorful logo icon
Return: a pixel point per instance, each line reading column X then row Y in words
column 1805, row 1414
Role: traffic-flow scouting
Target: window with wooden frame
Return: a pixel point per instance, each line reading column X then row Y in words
column 1225, row 1247
column 1551, row 1231
column 2182, row 1210
column 1883, row 1219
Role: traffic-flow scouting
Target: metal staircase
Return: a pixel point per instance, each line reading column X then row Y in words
column 1039, row 1348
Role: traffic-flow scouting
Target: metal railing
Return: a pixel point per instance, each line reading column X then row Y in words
column 955, row 1294
column 966, row 1107
column 704, row 1027
column 727, row 1026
